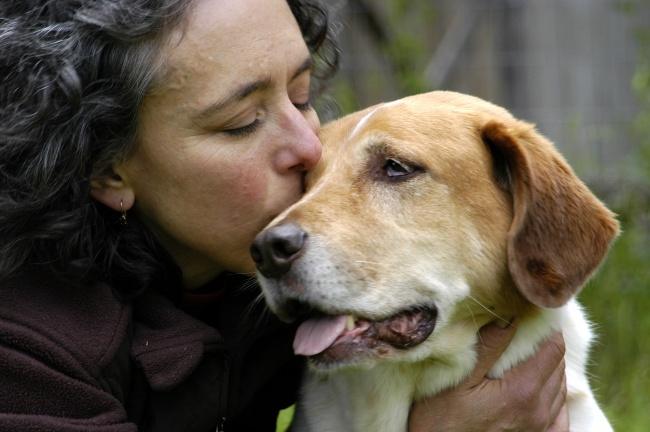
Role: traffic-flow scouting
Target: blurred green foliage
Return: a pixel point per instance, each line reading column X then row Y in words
column 618, row 298
column 284, row 419
column 641, row 86
column 403, row 49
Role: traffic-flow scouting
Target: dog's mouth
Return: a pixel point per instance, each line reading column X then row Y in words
column 328, row 339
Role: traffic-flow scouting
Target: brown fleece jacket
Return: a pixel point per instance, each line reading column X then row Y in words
column 78, row 359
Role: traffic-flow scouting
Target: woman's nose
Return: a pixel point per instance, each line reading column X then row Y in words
column 301, row 149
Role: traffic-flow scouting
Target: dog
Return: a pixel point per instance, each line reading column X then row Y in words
column 427, row 218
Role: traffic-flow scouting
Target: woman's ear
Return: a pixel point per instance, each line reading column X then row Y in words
column 560, row 231
column 113, row 191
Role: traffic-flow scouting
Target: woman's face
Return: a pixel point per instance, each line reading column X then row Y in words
column 226, row 137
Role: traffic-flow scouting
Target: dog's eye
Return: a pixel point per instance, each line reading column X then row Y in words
column 394, row 168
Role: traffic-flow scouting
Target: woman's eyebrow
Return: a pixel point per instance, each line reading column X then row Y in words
column 236, row 96
column 247, row 89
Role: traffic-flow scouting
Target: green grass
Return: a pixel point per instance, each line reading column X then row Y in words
column 284, row 419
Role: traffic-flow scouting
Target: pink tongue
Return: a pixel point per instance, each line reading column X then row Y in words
column 317, row 334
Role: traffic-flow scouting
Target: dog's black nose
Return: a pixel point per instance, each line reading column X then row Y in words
column 276, row 248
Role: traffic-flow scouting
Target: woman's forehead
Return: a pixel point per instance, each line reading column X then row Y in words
column 227, row 40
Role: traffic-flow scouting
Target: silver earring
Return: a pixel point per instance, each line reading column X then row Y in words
column 123, row 220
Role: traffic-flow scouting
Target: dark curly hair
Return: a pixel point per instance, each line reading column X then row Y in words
column 74, row 74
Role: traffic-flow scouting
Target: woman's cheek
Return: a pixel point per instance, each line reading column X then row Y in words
column 251, row 187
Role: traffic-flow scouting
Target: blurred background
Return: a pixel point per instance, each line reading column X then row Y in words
column 580, row 70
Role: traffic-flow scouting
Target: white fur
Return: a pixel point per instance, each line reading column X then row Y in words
column 362, row 122
column 367, row 117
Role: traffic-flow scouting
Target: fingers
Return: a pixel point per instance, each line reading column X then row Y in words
column 561, row 423
column 493, row 341
column 553, row 395
column 539, row 368
column 548, row 398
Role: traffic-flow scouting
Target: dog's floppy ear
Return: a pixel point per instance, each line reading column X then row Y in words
column 560, row 231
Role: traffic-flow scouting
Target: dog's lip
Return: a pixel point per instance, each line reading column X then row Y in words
column 364, row 337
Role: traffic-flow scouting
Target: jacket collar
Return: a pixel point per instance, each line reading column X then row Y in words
column 168, row 344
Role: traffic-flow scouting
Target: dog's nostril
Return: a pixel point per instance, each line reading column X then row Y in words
column 276, row 248
column 284, row 247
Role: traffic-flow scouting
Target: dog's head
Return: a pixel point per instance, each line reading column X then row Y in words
column 438, row 210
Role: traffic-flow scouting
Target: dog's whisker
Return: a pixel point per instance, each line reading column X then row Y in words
column 471, row 312
column 256, row 301
column 257, row 311
column 249, row 284
column 367, row 262
column 488, row 310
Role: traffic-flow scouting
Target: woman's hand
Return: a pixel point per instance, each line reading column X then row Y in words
column 530, row 397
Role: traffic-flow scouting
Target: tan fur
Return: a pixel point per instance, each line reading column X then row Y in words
column 479, row 240
column 554, row 213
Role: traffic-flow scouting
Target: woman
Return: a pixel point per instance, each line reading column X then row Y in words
column 143, row 145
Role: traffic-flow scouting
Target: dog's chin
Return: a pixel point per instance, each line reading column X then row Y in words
column 364, row 340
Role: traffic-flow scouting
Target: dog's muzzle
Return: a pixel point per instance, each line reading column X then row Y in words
column 340, row 337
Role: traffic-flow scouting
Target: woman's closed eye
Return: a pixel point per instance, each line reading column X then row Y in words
column 306, row 106
column 243, row 130
column 251, row 127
